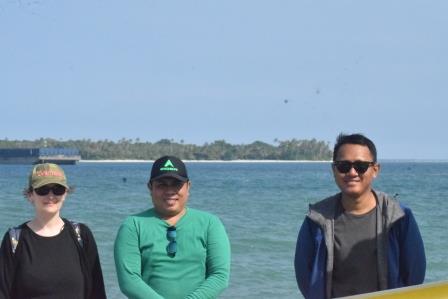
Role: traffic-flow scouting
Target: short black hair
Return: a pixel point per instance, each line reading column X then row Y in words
column 354, row 139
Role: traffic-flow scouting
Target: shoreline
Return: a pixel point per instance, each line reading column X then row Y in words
column 208, row 161
column 266, row 161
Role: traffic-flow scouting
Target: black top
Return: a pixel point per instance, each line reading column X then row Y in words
column 355, row 268
column 51, row 267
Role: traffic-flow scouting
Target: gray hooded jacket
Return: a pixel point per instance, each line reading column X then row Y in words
column 388, row 212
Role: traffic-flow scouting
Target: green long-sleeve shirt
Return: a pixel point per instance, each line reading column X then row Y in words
column 200, row 268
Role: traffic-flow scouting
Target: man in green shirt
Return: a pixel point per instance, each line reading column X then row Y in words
column 171, row 251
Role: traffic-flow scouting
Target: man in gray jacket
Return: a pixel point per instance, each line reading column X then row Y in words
column 359, row 240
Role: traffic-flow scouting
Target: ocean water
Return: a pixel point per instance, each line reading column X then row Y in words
column 261, row 204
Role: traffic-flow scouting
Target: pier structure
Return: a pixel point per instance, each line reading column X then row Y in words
column 39, row 155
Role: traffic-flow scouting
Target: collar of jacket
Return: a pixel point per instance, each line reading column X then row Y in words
column 389, row 211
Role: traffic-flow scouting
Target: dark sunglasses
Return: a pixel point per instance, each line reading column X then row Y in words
column 56, row 189
column 359, row 166
column 171, row 248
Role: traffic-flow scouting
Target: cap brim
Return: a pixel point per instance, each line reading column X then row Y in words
column 48, row 183
column 170, row 175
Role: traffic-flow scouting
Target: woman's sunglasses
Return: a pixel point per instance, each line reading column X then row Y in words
column 345, row 166
column 56, row 189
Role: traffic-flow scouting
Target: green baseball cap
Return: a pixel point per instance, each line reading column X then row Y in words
column 47, row 173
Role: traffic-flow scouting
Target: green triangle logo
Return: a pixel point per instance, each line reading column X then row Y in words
column 169, row 164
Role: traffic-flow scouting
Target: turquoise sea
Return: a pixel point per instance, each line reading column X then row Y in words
column 261, row 204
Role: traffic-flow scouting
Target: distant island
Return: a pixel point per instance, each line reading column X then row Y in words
column 129, row 149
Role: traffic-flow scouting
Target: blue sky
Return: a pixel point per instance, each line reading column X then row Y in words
column 201, row 71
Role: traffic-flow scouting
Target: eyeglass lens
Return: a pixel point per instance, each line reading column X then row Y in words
column 56, row 189
column 345, row 166
column 171, row 248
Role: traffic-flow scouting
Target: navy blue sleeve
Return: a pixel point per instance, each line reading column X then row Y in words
column 406, row 254
column 310, row 261
column 412, row 251
column 303, row 257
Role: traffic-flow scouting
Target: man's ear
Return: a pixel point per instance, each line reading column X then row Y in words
column 188, row 187
column 376, row 169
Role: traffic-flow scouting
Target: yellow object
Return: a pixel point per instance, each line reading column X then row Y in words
column 434, row 290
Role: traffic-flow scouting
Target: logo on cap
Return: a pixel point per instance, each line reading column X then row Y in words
column 168, row 166
column 49, row 173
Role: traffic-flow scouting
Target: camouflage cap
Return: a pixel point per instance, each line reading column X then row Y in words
column 47, row 173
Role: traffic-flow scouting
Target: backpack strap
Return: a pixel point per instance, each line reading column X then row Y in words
column 77, row 228
column 14, row 235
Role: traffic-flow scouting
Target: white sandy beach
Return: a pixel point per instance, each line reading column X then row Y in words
column 206, row 161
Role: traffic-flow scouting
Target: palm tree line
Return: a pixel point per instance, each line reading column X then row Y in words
column 135, row 149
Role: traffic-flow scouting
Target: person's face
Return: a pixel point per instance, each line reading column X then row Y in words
column 48, row 199
column 169, row 196
column 352, row 183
